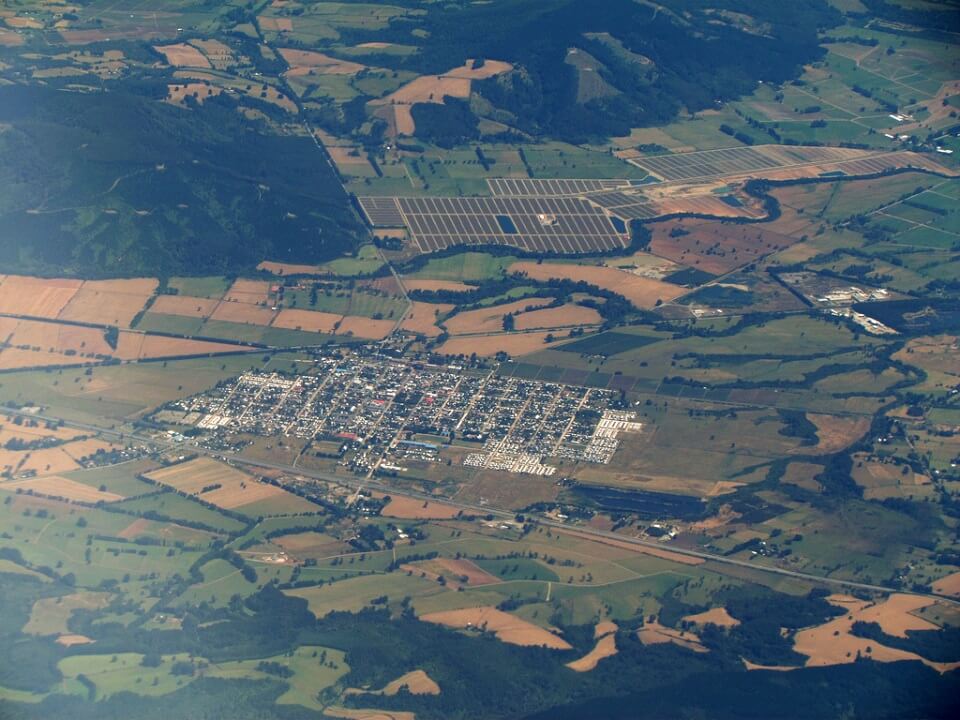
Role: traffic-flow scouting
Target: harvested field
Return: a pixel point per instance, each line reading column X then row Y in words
column 219, row 55
column 364, row 714
column 653, row 633
column 568, row 315
column 109, row 302
column 949, row 585
column 61, row 487
column 252, row 292
column 506, row 627
column 410, row 509
column 643, row 292
column 513, row 344
column 8, row 38
column 417, row 682
column 137, row 346
column 183, row 55
column 713, row 246
column 245, row 313
column 714, row 616
column 489, row 319
column 833, row 643
column 37, row 297
column 432, row 285
column 54, row 338
column 422, row 317
column 836, row 432
column 307, row 62
column 225, row 486
column 184, row 305
column 29, row 433
column 605, row 647
column 306, row 320
column 605, row 627
column 276, row 24
column 395, row 107
column 41, row 462
column 464, row 568
column 199, row 91
column 71, row 639
column 363, row 327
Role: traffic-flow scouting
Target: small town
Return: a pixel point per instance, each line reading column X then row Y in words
column 387, row 410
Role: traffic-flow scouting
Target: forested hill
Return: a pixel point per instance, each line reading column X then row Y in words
column 585, row 68
column 116, row 183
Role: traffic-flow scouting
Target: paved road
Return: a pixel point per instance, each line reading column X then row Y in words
column 356, row 483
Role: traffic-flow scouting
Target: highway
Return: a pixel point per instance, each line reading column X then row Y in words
column 358, row 482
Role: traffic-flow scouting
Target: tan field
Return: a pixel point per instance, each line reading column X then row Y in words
column 10, row 39
column 23, row 22
column 395, row 107
column 643, row 292
column 15, row 359
column 949, row 585
column 513, row 344
column 714, row 616
column 310, row 544
column 431, row 285
column 241, row 312
column 249, row 291
column 307, row 62
column 307, row 320
column 219, row 55
column 422, row 317
column 137, row 346
column 109, row 302
column 605, row 647
column 177, row 93
column 417, row 682
column 604, row 627
column 56, row 338
column 568, row 315
column 464, row 568
column 42, row 462
column 408, row 508
column 26, row 433
column 363, row 714
column 653, row 633
column 833, row 644
column 183, row 55
column 71, row 639
column 237, row 489
column 61, row 487
column 86, row 447
column 506, row 627
column 183, row 305
column 37, row 297
column 836, row 432
column 363, row 327
column 489, row 319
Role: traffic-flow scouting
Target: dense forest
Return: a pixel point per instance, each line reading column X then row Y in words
column 116, row 183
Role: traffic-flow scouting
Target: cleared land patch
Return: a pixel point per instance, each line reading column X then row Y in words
column 183, row 55
column 224, row 486
column 508, row 628
column 643, row 292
